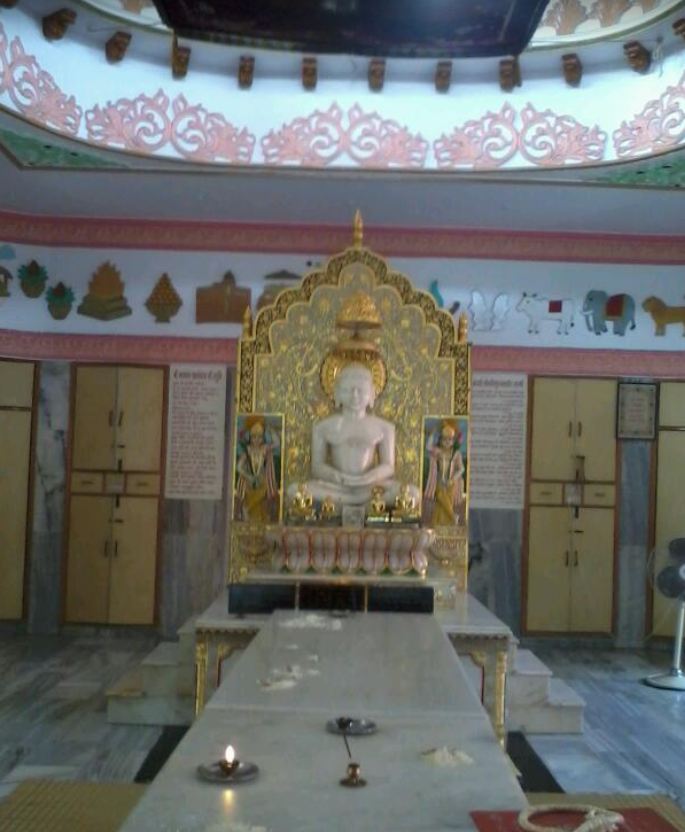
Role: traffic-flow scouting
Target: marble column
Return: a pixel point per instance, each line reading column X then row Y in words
column 633, row 541
column 495, row 562
column 49, row 480
column 193, row 559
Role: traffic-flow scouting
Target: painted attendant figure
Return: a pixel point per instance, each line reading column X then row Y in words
column 256, row 492
column 444, row 492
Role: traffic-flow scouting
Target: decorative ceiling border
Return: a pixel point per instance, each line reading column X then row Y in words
column 332, row 135
column 43, row 346
column 453, row 243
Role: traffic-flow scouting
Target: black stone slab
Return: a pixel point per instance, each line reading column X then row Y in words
column 246, row 599
column 401, row 599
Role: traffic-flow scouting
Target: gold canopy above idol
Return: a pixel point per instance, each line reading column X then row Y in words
column 358, row 313
column 351, row 375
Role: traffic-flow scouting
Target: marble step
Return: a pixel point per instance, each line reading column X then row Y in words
column 561, row 713
column 529, row 680
column 128, row 703
column 163, row 673
column 186, row 642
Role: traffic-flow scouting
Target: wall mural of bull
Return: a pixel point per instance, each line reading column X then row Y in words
column 598, row 308
column 539, row 309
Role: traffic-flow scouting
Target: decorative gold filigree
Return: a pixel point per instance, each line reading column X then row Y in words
column 280, row 365
column 358, row 312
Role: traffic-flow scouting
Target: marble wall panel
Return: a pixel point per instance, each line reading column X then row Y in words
column 193, row 559
column 633, row 541
column 495, row 562
column 49, row 479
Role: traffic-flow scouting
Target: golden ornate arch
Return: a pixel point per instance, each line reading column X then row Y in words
column 425, row 352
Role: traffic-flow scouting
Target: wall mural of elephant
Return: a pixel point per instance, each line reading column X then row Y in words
column 600, row 308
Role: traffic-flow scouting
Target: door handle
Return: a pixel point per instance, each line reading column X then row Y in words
column 116, row 548
column 121, row 418
column 121, row 446
column 104, row 550
column 575, row 557
column 580, row 429
column 117, row 520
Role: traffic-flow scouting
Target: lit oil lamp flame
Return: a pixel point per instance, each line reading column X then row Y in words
column 230, row 755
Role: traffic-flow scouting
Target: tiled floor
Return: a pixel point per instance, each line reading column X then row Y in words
column 634, row 735
column 53, row 720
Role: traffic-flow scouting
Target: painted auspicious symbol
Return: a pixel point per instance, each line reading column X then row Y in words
column 105, row 299
column 488, row 317
column 663, row 315
column 538, row 309
column 600, row 308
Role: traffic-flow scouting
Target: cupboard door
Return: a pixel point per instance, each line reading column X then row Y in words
column 552, row 454
column 16, row 384
column 88, row 559
column 672, row 404
column 595, row 428
column 134, row 561
column 93, row 426
column 548, row 602
column 592, row 571
column 670, row 519
column 140, row 400
column 15, row 453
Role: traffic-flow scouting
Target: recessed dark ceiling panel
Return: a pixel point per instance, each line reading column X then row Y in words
column 382, row 28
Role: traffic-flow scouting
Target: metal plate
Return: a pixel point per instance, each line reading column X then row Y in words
column 214, row 774
column 355, row 727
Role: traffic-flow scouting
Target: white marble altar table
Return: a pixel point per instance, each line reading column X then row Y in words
column 471, row 628
column 364, row 663
column 301, row 764
column 397, row 668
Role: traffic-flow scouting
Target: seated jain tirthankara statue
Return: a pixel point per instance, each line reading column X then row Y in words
column 353, row 451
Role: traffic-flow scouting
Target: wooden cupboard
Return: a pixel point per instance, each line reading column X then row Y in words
column 573, row 420
column 114, row 495
column 670, row 503
column 117, row 418
column 569, row 568
column 16, row 403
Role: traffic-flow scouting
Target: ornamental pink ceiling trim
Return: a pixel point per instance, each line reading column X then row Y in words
column 146, row 124
column 322, row 137
column 659, row 126
column 147, row 349
column 176, row 235
column 540, row 138
column 151, row 124
column 33, row 91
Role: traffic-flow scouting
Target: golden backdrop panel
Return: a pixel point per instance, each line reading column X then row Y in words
column 427, row 371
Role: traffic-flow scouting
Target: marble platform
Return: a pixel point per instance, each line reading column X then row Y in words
column 366, row 663
column 300, row 768
column 399, row 669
